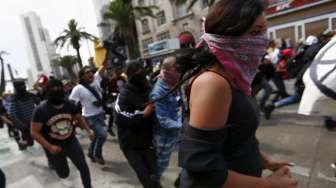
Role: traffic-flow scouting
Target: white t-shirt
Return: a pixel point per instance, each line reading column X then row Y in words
column 86, row 98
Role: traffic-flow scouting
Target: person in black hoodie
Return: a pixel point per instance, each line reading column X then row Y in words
column 133, row 119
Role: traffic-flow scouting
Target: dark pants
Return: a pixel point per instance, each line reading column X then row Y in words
column 73, row 150
column 110, row 123
column 144, row 164
column 26, row 136
column 280, row 85
column 2, row 179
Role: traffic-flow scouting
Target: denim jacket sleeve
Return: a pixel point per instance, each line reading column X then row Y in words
column 163, row 109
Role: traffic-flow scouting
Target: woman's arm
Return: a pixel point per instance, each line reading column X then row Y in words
column 210, row 103
column 268, row 163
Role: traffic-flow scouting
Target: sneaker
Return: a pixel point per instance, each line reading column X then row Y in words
column 93, row 159
column 268, row 111
column 100, row 160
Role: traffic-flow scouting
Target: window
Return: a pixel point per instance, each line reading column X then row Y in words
column 185, row 26
column 316, row 27
column 145, row 44
column 145, row 26
column 276, row 2
column 300, row 32
column 205, row 3
column 141, row 2
column 163, row 36
column 161, row 18
column 333, row 21
column 286, row 33
column 155, row 2
column 181, row 10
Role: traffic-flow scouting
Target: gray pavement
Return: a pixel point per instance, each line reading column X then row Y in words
column 287, row 136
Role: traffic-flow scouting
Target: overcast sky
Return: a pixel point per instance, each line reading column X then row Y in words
column 54, row 15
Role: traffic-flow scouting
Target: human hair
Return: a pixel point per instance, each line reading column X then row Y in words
column 133, row 68
column 53, row 83
column 18, row 83
column 81, row 73
column 168, row 62
column 189, row 61
column 233, row 18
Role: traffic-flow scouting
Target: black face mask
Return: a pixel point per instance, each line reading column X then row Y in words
column 139, row 81
column 20, row 89
column 56, row 97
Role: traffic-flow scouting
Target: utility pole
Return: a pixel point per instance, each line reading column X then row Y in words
column 2, row 78
column 11, row 75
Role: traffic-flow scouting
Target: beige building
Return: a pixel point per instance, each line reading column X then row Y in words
column 296, row 19
column 171, row 22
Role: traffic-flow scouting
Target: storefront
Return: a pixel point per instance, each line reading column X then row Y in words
column 297, row 19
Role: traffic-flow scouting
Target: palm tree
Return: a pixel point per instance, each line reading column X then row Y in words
column 67, row 62
column 193, row 2
column 124, row 15
column 73, row 35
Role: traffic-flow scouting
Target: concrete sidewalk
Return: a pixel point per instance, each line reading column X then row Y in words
column 287, row 136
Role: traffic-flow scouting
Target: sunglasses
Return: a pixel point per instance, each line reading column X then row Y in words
column 88, row 71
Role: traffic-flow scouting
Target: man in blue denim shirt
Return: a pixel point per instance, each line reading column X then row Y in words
column 168, row 114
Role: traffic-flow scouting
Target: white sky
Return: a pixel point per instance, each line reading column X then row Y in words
column 54, row 15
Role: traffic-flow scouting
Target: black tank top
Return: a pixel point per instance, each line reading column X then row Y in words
column 240, row 147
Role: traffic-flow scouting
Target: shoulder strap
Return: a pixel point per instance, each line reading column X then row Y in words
column 93, row 91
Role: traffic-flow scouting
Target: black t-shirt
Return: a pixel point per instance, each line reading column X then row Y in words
column 58, row 127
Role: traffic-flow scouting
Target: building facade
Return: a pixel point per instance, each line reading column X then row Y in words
column 104, row 26
column 40, row 49
column 297, row 19
column 172, row 21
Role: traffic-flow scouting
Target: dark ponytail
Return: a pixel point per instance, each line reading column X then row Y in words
column 189, row 62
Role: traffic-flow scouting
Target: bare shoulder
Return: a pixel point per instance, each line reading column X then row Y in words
column 210, row 101
column 211, row 81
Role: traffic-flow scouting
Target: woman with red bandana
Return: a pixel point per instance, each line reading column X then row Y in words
column 218, row 146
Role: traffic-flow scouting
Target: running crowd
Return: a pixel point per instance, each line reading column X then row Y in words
column 201, row 103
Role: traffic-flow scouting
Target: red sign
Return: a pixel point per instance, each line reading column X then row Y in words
column 281, row 5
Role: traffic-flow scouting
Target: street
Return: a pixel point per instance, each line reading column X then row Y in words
column 287, row 136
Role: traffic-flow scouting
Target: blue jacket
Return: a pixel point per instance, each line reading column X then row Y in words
column 168, row 110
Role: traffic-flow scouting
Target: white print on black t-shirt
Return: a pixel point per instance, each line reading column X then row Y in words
column 60, row 126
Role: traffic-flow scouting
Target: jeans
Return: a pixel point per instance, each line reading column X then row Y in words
column 292, row 99
column 266, row 93
column 97, row 124
column 144, row 164
column 74, row 151
column 164, row 147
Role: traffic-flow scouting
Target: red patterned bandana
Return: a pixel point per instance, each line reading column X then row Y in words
column 240, row 56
